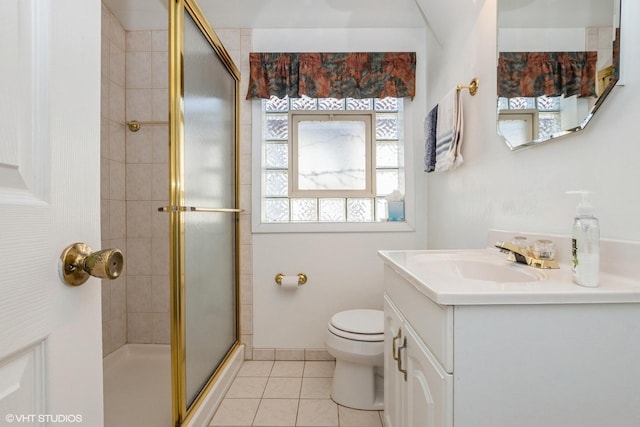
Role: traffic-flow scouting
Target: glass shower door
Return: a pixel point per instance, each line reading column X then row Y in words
column 205, row 210
column 209, row 237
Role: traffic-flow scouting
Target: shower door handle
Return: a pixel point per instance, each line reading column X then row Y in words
column 197, row 209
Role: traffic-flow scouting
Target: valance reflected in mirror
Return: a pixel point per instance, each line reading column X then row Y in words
column 557, row 62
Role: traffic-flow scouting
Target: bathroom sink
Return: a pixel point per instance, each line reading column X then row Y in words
column 487, row 270
column 487, row 277
column 491, row 272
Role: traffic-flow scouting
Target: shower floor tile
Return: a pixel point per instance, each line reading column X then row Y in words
column 288, row 394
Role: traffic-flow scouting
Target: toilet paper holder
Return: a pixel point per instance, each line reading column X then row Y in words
column 302, row 278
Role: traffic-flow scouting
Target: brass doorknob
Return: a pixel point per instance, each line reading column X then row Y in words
column 79, row 262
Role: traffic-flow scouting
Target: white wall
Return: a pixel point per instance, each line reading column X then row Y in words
column 542, row 39
column 524, row 190
column 343, row 268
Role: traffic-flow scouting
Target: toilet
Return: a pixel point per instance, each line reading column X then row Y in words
column 356, row 339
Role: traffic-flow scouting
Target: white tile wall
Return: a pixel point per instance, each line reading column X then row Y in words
column 112, row 176
column 134, row 183
column 147, row 188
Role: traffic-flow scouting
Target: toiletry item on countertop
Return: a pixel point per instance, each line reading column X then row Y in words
column 585, row 242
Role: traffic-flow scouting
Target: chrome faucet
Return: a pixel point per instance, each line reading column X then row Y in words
column 525, row 256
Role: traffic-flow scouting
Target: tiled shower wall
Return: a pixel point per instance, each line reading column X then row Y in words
column 112, row 177
column 135, row 183
column 147, row 187
column 134, row 178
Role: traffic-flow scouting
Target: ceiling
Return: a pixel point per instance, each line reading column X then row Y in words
column 153, row 15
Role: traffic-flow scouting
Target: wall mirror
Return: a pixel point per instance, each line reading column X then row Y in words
column 557, row 62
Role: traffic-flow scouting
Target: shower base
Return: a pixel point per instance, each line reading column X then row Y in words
column 137, row 386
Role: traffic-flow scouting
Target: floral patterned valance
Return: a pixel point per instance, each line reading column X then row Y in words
column 533, row 74
column 332, row 75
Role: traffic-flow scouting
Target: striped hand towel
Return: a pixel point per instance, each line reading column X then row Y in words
column 449, row 132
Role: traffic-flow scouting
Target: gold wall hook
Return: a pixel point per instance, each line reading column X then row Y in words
column 79, row 263
column 472, row 86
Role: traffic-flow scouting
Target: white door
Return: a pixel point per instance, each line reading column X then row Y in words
column 50, row 333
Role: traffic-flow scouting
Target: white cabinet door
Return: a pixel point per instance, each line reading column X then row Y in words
column 429, row 395
column 418, row 392
column 394, row 383
column 50, row 333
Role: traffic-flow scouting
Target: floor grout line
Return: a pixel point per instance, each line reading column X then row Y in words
column 299, row 399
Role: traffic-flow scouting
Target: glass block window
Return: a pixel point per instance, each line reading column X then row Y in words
column 383, row 166
column 549, row 117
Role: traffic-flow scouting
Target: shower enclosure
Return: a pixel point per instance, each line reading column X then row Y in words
column 171, row 324
column 203, row 207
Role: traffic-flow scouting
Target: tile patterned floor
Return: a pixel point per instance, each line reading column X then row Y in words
column 287, row 393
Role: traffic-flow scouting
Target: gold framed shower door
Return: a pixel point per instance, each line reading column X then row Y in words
column 185, row 15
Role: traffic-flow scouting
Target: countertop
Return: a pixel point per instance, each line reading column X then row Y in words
column 431, row 272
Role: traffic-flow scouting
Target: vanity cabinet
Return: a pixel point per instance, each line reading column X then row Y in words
column 418, row 392
column 505, row 365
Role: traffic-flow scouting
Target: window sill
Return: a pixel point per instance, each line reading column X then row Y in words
column 333, row 227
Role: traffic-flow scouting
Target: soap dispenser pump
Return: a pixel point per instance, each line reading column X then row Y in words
column 585, row 242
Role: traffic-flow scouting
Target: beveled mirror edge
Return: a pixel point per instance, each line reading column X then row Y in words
column 615, row 81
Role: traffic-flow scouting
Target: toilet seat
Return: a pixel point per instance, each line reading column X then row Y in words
column 358, row 325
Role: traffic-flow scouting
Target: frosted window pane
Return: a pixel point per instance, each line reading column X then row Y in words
column 387, row 181
column 276, row 156
column 522, row 103
column 331, row 155
column 330, row 104
column 548, row 103
column 277, row 162
column 387, row 154
column 277, row 127
column 275, row 104
column 304, row 103
column 304, row 210
column 381, row 209
column 359, row 210
column 276, row 210
column 549, row 124
column 276, row 183
column 386, row 126
column 386, row 104
column 359, row 104
column 332, row 210
column 517, row 132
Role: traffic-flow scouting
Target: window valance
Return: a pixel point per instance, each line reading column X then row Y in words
column 533, row 74
column 332, row 75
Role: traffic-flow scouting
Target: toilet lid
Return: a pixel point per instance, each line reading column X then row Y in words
column 361, row 321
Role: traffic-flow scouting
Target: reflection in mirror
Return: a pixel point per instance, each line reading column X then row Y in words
column 557, row 62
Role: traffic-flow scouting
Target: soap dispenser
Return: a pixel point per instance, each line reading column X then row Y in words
column 585, row 242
